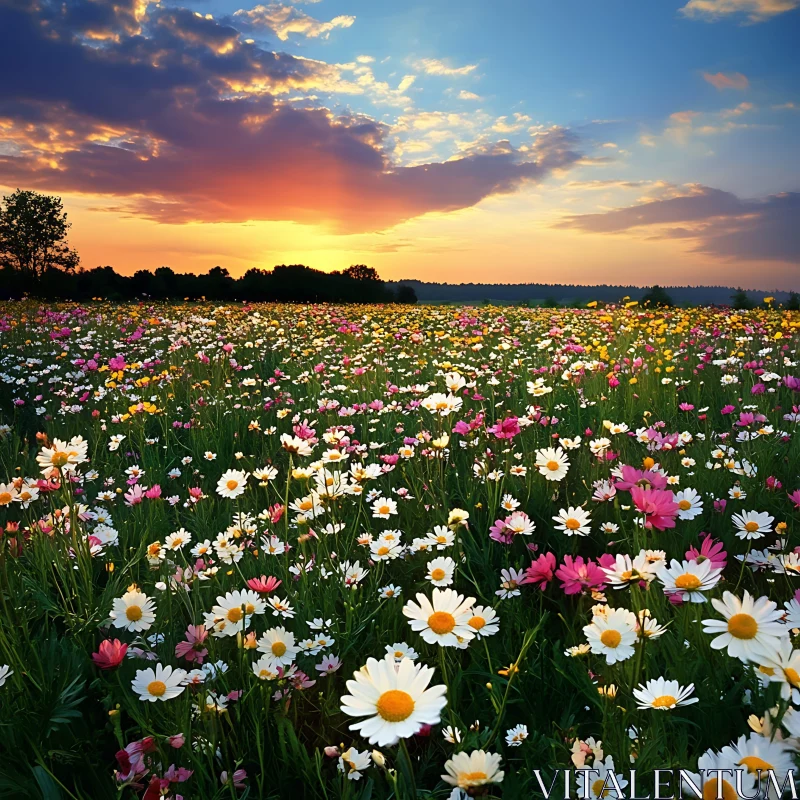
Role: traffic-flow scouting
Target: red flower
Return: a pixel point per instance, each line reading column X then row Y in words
column 110, row 654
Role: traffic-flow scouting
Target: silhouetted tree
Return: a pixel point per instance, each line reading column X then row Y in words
column 656, row 296
column 33, row 235
column 793, row 303
column 740, row 300
column 406, row 295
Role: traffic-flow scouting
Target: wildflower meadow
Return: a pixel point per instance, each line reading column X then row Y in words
column 265, row 551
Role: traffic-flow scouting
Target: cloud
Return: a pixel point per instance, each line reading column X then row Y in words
column 433, row 66
column 406, row 83
column 752, row 10
column 720, row 223
column 184, row 121
column 284, row 20
column 727, row 80
column 465, row 95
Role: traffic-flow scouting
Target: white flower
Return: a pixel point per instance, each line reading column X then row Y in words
column 751, row 629
column 394, row 698
column 163, row 683
column 5, row 671
column 484, row 621
column 442, row 620
column 690, row 504
column 400, row 650
column 440, row 571
column 752, row 524
column 574, row 521
column 353, row 762
column 232, row 483
column 279, row 645
column 552, row 463
column 134, row 611
column 517, row 735
column 474, row 769
column 612, row 634
column 689, row 579
column 663, row 694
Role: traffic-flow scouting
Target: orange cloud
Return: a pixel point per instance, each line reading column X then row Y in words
column 727, row 80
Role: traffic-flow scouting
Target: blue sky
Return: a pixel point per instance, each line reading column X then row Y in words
column 401, row 133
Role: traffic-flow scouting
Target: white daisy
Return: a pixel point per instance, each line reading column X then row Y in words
column 477, row 768
column 443, row 619
column 689, row 579
column 394, row 698
column 612, row 634
column 161, row 683
column 134, row 611
column 751, row 628
column 663, row 694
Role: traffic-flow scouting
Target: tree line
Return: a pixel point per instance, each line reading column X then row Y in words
column 36, row 260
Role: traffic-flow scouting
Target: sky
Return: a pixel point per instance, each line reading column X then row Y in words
column 580, row 141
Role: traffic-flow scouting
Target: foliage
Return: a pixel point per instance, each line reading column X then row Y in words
column 33, row 235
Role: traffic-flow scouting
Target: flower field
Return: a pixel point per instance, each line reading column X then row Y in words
column 371, row 552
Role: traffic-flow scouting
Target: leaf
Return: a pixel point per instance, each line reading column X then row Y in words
column 48, row 787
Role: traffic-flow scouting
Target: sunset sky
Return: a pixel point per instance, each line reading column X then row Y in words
column 583, row 141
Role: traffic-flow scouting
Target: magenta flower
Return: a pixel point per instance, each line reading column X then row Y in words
column 505, row 429
column 577, row 575
column 541, row 571
column 658, row 506
column 110, row 653
column 640, row 478
column 710, row 549
column 795, row 498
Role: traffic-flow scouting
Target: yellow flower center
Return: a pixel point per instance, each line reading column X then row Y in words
column 470, row 778
column 687, row 581
column 382, row 551
column 235, row 615
column 597, row 788
column 383, row 510
column 753, row 763
column 792, row 676
column 476, row 622
column 611, row 638
column 438, row 574
column 278, row 649
column 5, row 498
column 59, row 459
column 441, row 622
column 232, row 484
column 395, row 705
column 133, row 613
column 249, row 608
column 553, row 466
column 751, row 527
column 665, row 701
column 157, row 688
column 710, row 790
column 684, row 505
column 742, row 626
column 572, row 523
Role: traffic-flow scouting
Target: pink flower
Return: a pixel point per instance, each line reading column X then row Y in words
column 192, row 649
column 177, row 741
column 505, row 429
column 264, row 584
column 238, row 778
column 577, row 575
column 725, row 410
column 710, row 550
column 795, row 498
column 640, row 478
column 658, row 506
column 134, row 495
column 153, row 493
column 541, row 571
column 110, row 653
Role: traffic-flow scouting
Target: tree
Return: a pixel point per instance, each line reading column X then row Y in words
column 405, row 294
column 656, row 296
column 793, row 303
column 361, row 272
column 740, row 301
column 33, row 235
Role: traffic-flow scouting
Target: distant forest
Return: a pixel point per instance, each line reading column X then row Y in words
column 284, row 284
column 566, row 294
